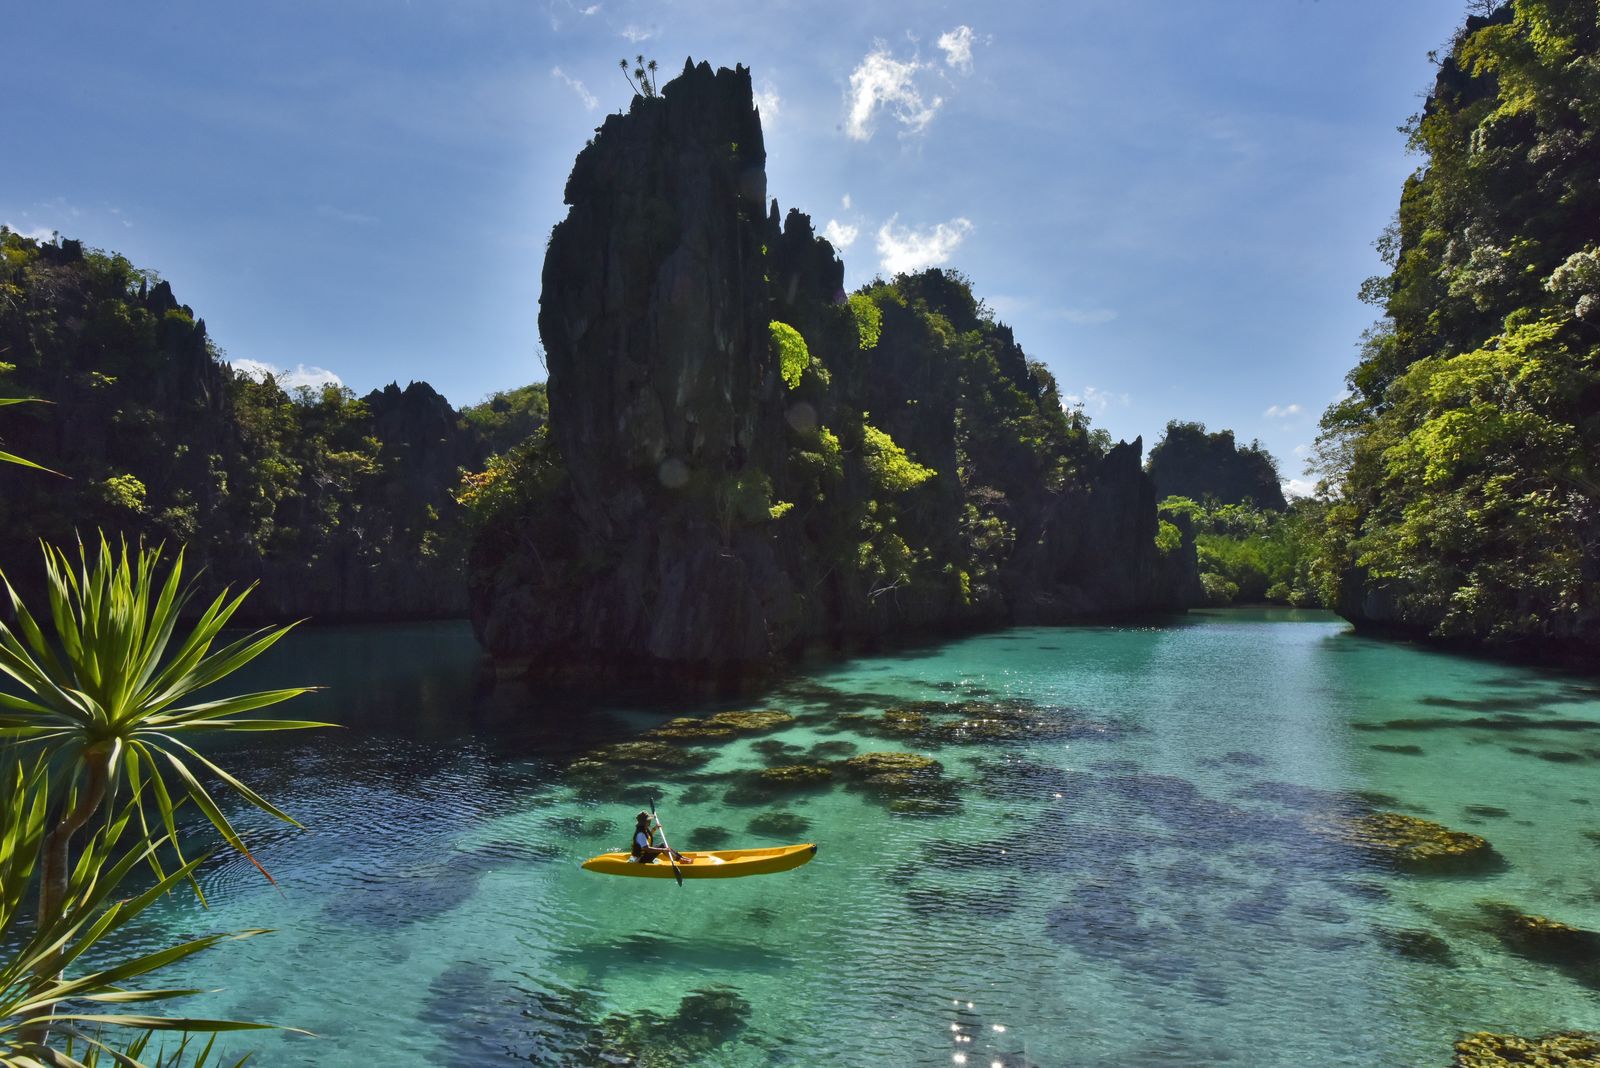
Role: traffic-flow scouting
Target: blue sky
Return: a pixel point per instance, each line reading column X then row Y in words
column 1172, row 203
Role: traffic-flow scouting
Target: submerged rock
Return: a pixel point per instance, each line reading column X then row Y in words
column 644, row 753
column 908, row 783
column 977, row 722
column 893, row 773
column 690, row 729
column 1413, row 844
column 785, row 826
column 1573, row 950
column 721, row 727
column 705, row 1020
column 796, row 777
column 1418, row 945
column 709, row 838
column 752, row 722
column 1564, row 1049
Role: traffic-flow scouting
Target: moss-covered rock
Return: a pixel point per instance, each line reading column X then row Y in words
column 907, row 782
column 974, row 722
column 796, row 777
column 867, row 765
column 1412, row 844
column 690, row 729
column 903, row 721
column 721, row 727
column 755, row 722
column 1564, row 1049
column 643, row 753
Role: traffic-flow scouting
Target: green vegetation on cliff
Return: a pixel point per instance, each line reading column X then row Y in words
column 343, row 502
column 1467, row 459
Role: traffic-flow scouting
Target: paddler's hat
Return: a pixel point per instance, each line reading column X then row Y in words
column 642, row 817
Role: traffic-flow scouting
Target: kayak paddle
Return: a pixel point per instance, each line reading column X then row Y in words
column 677, row 873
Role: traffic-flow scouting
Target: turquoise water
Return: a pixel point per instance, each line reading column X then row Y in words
column 1134, row 881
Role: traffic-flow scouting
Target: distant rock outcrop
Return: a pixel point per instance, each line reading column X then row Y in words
column 744, row 468
column 1189, row 462
column 340, row 508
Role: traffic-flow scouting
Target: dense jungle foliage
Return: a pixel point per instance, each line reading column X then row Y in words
column 1249, row 555
column 1189, row 462
column 343, row 501
column 1466, row 461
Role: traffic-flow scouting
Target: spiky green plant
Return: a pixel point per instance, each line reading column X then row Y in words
column 10, row 458
column 112, row 695
column 47, row 1018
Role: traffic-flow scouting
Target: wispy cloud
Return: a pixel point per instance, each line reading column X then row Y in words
column 1086, row 316
column 957, row 48
column 1298, row 487
column 1092, row 399
column 590, row 101
column 34, row 233
column 768, row 102
column 904, row 251
column 356, row 218
column 633, row 33
column 845, row 200
column 883, row 82
column 301, row 375
column 840, row 235
column 1283, row 411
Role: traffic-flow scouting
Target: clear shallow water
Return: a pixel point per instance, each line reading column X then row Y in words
column 1141, row 889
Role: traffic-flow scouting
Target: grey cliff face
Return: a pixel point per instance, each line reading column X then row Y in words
column 656, row 558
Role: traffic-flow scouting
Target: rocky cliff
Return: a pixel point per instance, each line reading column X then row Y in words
column 341, row 508
column 743, row 461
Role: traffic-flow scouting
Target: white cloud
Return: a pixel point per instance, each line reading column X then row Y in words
column 881, row 81
column 768, row 102
column 845, row 200
column 1302, row 450
column 911, row 250
column 315, row 377
column 840, row 235
column 634, row 33
column 1298, row 487
column 328, row 211
column 37, row 233
column 957, row 48
column 590, row 101
column 1097, row 400
column 1283, row 411
column 1087, row 316
column 592, row 9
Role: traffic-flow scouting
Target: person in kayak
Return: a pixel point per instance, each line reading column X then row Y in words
column 645, row 851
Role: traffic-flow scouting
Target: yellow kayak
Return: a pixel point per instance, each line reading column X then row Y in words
column 709, row 864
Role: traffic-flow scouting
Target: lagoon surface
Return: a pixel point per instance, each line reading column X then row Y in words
column 1138, row 879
